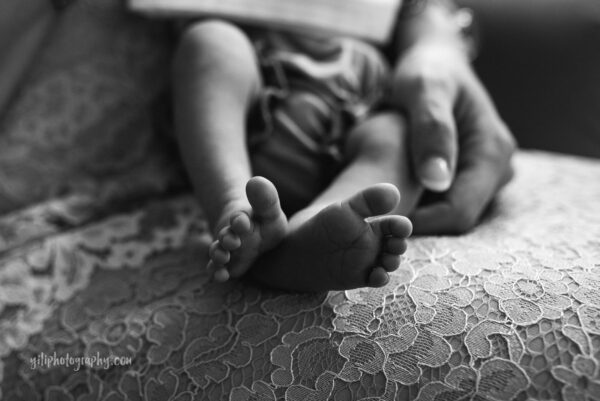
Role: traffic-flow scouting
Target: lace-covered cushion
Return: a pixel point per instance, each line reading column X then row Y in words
column 509, row 311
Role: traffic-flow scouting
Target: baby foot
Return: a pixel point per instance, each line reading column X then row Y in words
column 346, row 245
column 248, row 233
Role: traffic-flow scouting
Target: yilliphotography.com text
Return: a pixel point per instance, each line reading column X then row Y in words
column 94, row 361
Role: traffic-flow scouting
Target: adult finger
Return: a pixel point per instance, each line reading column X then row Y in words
column 460, row 209
column 485, row 168
column 433, row 138
column 426, row 85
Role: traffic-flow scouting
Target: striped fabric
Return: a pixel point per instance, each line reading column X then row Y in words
column 316, row 89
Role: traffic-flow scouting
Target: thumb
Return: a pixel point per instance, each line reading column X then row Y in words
column 434, row 141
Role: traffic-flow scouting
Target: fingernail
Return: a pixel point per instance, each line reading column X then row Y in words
column 435, row 174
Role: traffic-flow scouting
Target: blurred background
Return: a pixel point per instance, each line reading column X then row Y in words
column 540, row 60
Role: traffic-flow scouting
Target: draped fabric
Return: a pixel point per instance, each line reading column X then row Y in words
column 509, row 311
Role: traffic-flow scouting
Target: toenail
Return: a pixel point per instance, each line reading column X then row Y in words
column 247, row 222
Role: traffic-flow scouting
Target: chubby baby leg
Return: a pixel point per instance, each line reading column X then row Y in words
column 377, row 151
column 216, row 81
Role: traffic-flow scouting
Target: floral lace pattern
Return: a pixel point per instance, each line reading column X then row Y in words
column 510, row 311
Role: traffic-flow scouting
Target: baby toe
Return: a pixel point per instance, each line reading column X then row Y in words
column 391, row 226
column 241, row 224
column 221, row 275
column 263, row 198
column 390, row 262
column 229, row 240
column 395, row 245
column 398, row 226
column 375, row 200
column 378, row 277
column 218, row 254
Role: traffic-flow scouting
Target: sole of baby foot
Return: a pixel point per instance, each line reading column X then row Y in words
column 350, row 244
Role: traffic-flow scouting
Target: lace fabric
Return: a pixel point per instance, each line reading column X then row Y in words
column 509, row 311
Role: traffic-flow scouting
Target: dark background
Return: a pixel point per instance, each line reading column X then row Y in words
column 540, row 59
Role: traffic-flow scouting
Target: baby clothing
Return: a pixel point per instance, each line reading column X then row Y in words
column 316, row 89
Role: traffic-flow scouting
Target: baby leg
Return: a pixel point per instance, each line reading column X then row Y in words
column 376, row 151
column 216, row 79
column 346, row 238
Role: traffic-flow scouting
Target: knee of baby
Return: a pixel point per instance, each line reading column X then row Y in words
column 212, row 35
column 217, row 46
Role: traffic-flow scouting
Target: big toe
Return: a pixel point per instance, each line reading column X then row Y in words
column 375, row 200
column 378, row 277
column 393, row 226
column 263, row 198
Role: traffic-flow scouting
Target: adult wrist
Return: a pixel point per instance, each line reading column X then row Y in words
column 464, row 18
column 437, row 21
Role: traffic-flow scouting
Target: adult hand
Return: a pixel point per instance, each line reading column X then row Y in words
column 459, row 145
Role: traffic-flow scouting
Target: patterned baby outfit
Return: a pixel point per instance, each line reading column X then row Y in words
column 315, row 91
